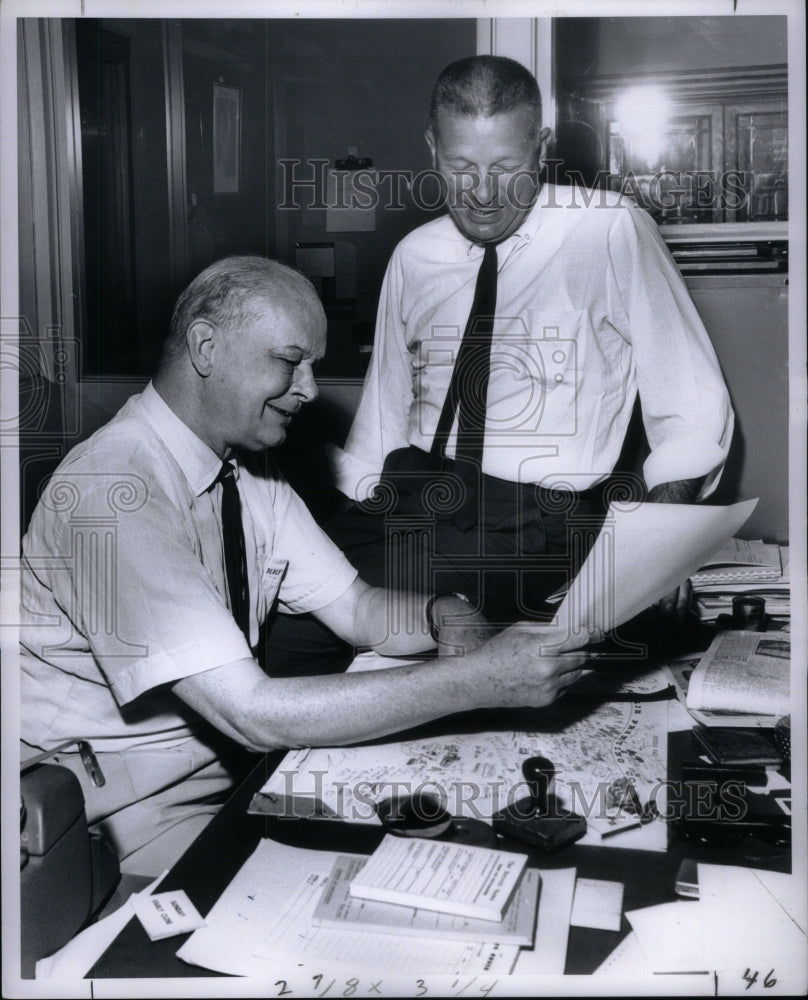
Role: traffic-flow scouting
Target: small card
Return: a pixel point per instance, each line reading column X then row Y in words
column 165, row 914
column 597, row 904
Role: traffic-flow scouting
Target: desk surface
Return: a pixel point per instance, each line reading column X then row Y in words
column 210, row 863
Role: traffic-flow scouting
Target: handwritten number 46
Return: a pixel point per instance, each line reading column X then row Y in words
column 752, row 977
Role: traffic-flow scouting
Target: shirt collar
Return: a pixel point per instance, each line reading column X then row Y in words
column 527, row 228
column 199, row 463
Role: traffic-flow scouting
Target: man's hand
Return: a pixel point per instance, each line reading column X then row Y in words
column 526, row 665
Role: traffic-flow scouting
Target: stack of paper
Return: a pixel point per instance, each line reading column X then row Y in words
column 338, row 908
column 265, row 921
column 475, row 882
column 744, row 567
column 288, row 911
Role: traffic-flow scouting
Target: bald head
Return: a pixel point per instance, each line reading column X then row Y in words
column 239, row 359
column 229, row 293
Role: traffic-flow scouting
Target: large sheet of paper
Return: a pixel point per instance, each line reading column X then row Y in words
column 643, row 552
column 747, row 930
column 594, row 748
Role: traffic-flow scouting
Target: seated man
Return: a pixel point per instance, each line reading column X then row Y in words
column 162, row 543
column 513, row 336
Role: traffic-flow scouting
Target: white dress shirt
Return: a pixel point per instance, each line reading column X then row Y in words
column 124, row 589
column 591, row 310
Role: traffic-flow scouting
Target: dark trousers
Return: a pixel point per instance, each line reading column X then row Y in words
column 507, row 549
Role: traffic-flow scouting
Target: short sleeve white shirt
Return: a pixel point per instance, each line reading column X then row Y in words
column 123, row 581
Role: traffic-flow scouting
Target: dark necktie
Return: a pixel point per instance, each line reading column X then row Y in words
column 235, row 556
column 468, row 389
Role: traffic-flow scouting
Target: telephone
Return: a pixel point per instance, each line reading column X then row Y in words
column 66, row 872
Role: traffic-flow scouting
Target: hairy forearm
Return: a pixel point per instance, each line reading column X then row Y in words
column 349, row 708
column 679, row 491
column 265, row 713
column 513, row 669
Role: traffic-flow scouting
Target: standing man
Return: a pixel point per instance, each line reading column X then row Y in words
column 512, row 339
column 162, row 543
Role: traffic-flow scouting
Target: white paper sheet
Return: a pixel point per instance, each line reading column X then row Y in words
column 643, row 552
column 758, row 925
column 265, row 918
column 673, row 936
column 597, row 903
column 747, row 929
column 549, row 956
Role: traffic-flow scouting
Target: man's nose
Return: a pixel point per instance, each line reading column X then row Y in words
column 305, row 385
column 486, row 188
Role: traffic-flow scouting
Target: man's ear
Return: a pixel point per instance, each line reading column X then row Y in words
column 201, row 340
column 433, row 148
column 544, row 137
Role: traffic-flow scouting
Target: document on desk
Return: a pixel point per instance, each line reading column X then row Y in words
column 595, row 752
column 337, row 908
column 743, row 672
column 469, row 881
column 643, row 552
column 747, row 927
column 265, row 918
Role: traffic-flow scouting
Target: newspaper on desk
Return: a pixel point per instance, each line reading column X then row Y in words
column 741, row 681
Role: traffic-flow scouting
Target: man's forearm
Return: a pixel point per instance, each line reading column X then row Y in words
column 679, row 491
column 513, row 669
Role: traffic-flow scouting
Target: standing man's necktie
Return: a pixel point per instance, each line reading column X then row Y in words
column 235, row 555
column 468, row 390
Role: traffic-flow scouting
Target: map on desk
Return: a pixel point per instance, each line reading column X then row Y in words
column 596, row 749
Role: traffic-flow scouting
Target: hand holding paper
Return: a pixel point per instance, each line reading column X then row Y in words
column 643, row 552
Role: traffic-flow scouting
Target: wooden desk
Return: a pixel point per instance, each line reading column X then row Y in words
column 210, row 863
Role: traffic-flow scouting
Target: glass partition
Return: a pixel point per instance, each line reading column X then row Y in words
column 688, row 115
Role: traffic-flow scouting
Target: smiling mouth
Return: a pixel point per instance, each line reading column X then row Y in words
column 284, row 413
column 483, row 213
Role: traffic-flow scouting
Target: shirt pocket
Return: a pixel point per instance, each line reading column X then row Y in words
column 536, row 368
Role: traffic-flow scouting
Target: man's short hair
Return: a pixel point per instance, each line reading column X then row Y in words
column 482, row 86
column 229, row 293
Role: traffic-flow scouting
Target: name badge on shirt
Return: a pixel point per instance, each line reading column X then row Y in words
column 274, row 571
